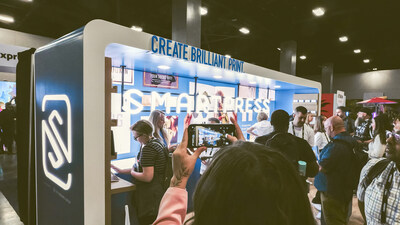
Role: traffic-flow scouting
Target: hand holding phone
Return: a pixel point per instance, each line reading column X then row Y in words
column 210, row 135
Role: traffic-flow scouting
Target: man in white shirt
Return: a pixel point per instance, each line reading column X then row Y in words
column 297, row 127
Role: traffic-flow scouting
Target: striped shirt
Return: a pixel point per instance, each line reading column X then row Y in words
column 372, row 196
column 152, row 154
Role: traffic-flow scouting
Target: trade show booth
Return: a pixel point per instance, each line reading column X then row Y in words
column 106, row 77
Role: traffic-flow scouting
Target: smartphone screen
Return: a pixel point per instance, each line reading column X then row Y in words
column 209, row 135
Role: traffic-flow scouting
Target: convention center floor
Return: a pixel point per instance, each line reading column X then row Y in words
column 355, row 219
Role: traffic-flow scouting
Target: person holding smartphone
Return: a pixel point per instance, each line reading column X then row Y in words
column 246, row 183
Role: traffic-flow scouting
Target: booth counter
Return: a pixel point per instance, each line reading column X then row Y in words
column 105, row 77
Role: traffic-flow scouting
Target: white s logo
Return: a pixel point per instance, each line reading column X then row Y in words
column 61, row 151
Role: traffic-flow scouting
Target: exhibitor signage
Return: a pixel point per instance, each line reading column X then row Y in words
column 178, row 50
column 59, row 134
column 135, row 100
column 9, row 55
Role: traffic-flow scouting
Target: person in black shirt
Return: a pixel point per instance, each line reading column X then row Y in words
column 296, row 148
column 7, row 124
column 363, row 127
column 148, row 174
column 348, row 122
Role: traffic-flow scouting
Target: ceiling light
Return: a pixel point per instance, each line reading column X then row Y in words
column 366, row 60
column 318, row 11
column 228, row 56
column 277, row 86
column 303, row 57
column 244, row 30
column 253, row 82
column 217, row 76
column 278, row 49
column 6, row 19
column 203, row 11
column 343, row 38
column 357, row 51
column 135, row 28
column 163, row 67
column 375, row 69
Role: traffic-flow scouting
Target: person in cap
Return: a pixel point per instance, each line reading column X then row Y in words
column 363, row 133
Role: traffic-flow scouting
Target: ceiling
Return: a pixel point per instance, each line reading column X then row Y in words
column 372, row 26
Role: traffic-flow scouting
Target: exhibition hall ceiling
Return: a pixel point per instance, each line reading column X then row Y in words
column 371, row 26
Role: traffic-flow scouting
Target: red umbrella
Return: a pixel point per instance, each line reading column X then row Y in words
column 377, row 100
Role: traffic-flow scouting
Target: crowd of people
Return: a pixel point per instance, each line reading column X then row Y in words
column 265, row 181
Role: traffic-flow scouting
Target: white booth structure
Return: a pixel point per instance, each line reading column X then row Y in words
column 105, row 77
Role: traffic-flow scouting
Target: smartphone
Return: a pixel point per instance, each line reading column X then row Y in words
column 210, row 135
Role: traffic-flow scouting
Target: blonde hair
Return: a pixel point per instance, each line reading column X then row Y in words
column 319, row 126
column 155, row 117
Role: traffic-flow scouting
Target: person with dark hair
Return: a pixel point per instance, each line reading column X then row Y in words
column 297, row 127
column 363, row 136
column 246, row 184
column 380, row 126
column 396, row 124
column 294, row 148
column 379, row 186
column 213, row 120
column 148, row 173
column 348, row 122
column 363, row 127
column 337, row 177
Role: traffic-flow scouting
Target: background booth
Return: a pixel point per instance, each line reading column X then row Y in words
column 105, row 77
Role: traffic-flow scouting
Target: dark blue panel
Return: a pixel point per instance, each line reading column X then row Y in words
column 59, row 87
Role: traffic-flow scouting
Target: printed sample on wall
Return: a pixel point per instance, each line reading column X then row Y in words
column 160, row 80
column 171, row 125
column 116, row 76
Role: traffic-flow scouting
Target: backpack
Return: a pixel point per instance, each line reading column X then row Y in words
column 168, row 169
column 166, row 180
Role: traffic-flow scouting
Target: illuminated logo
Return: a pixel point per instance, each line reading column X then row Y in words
column 58, row 152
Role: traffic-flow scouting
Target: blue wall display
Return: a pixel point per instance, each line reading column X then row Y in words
column 184, row 87
column 59, row 131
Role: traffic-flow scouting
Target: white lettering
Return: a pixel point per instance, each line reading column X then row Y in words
column 215, row 100
column 229, row 104
column 203, row 104
column 179, row 103
column 257, row 103
column 156, row 100
column 239, row 103
column 266, row 103
column 128, row 100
